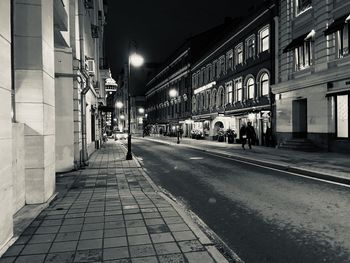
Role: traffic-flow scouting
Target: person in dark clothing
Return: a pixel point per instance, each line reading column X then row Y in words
column 251, row 135
column 243, row 135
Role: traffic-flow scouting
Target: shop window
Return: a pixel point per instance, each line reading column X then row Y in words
column 229, row 59
column 343, row 41
column 264, row 84
column 264, row 39
column 250, row 88
column 238, row 89
column 229, row 92
column 343, row 116
column 239, row 54
column 301, row 6
column 250, row 47
column 303, row 55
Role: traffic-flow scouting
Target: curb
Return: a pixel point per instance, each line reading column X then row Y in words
column 274, row 165
column 196, row 225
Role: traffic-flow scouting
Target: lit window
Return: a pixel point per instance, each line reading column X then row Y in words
column 303, row 55
column 264, row 39
column 250, row 47
column 250, row 88
column 228, row 92
column 239, row 54
column 342, row 116
column 265, row 84
column 238, row 89
column 343, row 41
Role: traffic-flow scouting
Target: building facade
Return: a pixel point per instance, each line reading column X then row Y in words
column 312, row 91
column 169, row 92
column 49, row 92
column 231, row 82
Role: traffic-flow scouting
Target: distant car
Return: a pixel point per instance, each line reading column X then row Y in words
column 118, row 135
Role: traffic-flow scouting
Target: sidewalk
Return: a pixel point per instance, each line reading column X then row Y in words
column 111, row 212
column 323, row 165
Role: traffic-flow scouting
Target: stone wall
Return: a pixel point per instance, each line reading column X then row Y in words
column 6, row 209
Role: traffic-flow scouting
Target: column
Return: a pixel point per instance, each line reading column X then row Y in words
column 6, row 210
column 35, row 94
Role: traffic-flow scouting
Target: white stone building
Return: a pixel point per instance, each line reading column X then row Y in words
column 49, row 58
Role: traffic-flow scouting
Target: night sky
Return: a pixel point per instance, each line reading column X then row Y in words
column 160, row 26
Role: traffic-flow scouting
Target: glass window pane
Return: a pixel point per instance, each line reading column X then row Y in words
column 343, row 116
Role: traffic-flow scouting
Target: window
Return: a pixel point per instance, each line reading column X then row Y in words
column 213, row 99
column 208, row 98
column 343, row 41
column 250, row 47
column 221, row 97
column 229, row 92
column 238, row 89
column 301, row 5
column 343, row 116
column 194, row 81
column 203, row 75
column 239, row 54
column 264, row 84
column 200, row 79
column 264, row 39
column 210, row 73
column 215, row 65
column 303, row 55
column 250, row 88
column 222, row 65
column 229, row 59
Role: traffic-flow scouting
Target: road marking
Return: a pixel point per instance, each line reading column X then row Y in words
column 196, row 158
column 278, row 170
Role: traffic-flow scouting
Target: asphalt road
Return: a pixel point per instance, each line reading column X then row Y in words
column 261, row 214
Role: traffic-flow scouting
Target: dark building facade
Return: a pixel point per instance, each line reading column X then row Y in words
column 312, row 92
column 231, row 82
column 169, row 92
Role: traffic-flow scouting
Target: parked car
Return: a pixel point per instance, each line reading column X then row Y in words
column 119, row 135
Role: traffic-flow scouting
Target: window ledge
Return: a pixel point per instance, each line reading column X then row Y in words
column 303, row 11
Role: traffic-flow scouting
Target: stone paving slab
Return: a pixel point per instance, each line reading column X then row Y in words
column 110, row 213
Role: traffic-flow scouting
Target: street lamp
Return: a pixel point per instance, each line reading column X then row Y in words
column 135, row 60
column 141, row 110
column 173, row 94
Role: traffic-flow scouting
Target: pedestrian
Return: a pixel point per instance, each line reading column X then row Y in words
column 251, row 135
column 181, row 132
column 243, row 135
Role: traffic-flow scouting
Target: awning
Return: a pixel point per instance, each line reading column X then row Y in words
column 338, row 92
column 295, row 43
column 336, row 25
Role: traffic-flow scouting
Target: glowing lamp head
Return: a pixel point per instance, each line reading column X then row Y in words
column 119, row 105
column 141, row 110
column 173, row 93
column 122, row 117
column 136, row 60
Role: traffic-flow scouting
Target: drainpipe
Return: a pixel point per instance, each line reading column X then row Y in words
column 84, row 153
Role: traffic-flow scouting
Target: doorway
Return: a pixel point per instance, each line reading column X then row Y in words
column 299, row 118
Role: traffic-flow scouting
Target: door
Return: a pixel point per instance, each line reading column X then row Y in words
column 299, row 111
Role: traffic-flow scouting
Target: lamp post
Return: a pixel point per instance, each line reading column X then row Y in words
column 135, row 60
column 173, row 94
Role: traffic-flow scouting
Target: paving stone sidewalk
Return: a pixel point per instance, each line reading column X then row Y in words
column 331, row 164
column 109, row 213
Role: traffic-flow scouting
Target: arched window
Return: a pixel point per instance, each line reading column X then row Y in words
column 264, row 84
column 221, row 97
column 208, row 99
column 213, row 98
column 198, row 102
column 250, row 88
